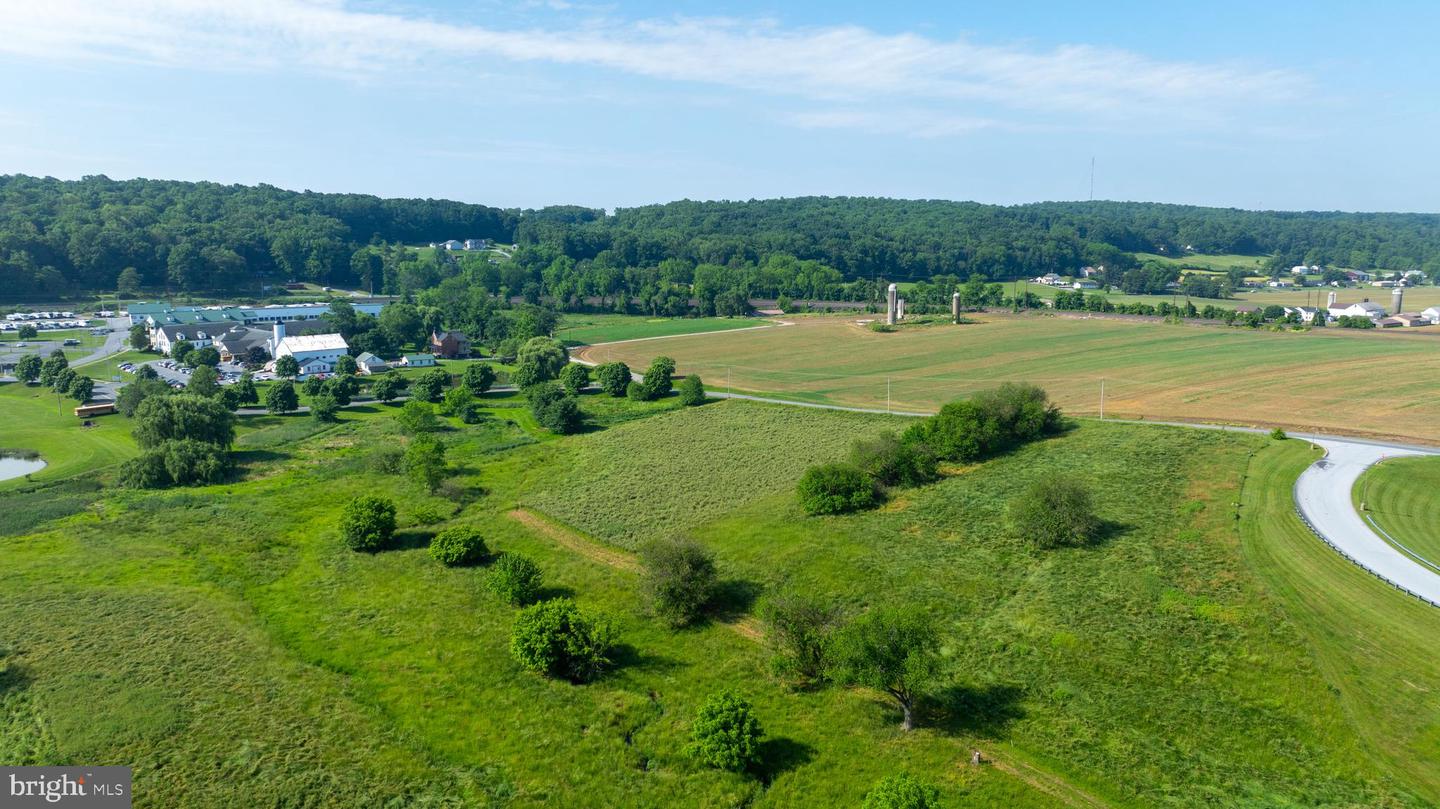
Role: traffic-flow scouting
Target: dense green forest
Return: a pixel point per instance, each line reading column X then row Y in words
column 96, row 234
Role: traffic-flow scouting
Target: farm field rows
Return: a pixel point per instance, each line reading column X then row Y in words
column 1416, row 298
column 1323, row 380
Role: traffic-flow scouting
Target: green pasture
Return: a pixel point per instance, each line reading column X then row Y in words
column 1402, row 496
column 583, row 329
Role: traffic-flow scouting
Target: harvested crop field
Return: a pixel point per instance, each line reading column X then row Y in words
column 1329, row 380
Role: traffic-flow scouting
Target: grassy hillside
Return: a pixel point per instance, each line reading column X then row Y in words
column 1150, row 369
column 254, row 659
column 1399, row 495
column 578, row 329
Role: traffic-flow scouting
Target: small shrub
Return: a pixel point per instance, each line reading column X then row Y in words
column 881, row 327
column 680, row 578
column 1054, row 513
column 556, row 410
column 726, row 735
column 835, row 488
column 902, row 792
column 613, row 377
column 574, row 378
column 798, row 629
column 471, row 413
column 692, row 391
column 427, row 515
column 635, row 392
column 557, row 639
column 894, row 462
column 1278, row 434
column 367, row 523
column 387, row 459
column 515, row 579
column 460, row 545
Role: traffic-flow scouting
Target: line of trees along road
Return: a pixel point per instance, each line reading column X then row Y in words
column 98, row 234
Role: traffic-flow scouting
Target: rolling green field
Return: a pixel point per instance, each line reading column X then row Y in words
column 1400, row 496
column 583, row 329
column 1150, row 369
column 34, row 418
column 1216, row 262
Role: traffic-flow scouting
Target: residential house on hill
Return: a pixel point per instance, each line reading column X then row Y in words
column 418, row 360
column 449, row 344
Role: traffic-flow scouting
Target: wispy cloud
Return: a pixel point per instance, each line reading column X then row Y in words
column 831, row 68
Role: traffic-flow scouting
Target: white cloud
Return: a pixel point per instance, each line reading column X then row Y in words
column 840, row 67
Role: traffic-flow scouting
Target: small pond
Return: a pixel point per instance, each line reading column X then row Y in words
column 14, row 466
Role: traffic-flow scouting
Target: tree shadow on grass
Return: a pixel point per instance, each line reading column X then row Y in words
column 408, row 539
column 626, row 656
column 13, row 677
column 551, row 592
column 780, row 755
column 733, row 599
column 984, row 710
column 245, row 457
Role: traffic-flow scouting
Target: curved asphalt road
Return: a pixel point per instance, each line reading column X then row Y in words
column 1322, row 495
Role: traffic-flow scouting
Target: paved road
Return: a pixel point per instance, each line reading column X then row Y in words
column 1322, row 495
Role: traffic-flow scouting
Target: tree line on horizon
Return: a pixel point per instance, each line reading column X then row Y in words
column 96, row 234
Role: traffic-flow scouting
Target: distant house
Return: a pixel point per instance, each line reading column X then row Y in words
column 1091, row 272
column 1385, row 284
column 368, row 364
column 1307, row 313
column 1279, row 283
column 1049, row 279
column 449, row 344
column 164, row 338
column 1357, row 275
column 1362, row 309
column 453, row 244
column 1085, row 284
column 418, row 360
column 476, row 244
column 1431, row 314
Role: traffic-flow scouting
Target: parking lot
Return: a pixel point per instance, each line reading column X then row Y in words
column 178, row 375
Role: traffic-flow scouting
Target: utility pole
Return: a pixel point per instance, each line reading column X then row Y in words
column 1102, row 398
column 887, row 395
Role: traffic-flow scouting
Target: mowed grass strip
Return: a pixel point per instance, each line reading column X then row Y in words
column 1402, row 496
column 1149, row 369
column 577, row 329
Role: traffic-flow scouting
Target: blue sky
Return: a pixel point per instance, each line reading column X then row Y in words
column 1278, row 105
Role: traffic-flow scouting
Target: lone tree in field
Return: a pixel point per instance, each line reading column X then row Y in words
column 425, row 461
column 574, row 378
column 892, row 650
column 613, row 377
column 902, row 792
column 515, row 579
column 388, row 387
column 479, row 377
column 367, row 523
column 27, row 370
column 680, row 578
column 281, row 398
column 557, row 639
column 726, row 735
column 1054, row 513
column 692, row 391
column 798, row 628
column 28, row 332
column 417, row 417
column 460, row 545
column 835, row 488
column 324, row 408
column 287, row 366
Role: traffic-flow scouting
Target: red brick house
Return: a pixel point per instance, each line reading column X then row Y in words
column 449, row 344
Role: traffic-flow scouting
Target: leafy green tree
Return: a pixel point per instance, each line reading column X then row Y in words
column 63, row 380
column 204, row 381
column 431, row 385
column 183, row 416
column 557, row 639
column 614, row 378
column 139, row 337
column 52, row 367
column 680, row 578
column 835, row 488
column 894, row 462
column 902, row 791
column 692, row 391
column 27, row 332
column 726, row 735
column 81, row 389
column 540, row 359
column 27, row 370
column 458, row 545
column 574, row 377
column 181, row 350
column 479, row 377
column 455, row 400
column 144, row 471
column 133, row 394
column 287, row 366
column 798, row 628
column 244, row 390
column 425, row 461
column 367, row 523
column 388, row 387
column 659, row 378
column 205, row 356
column 324, row 408
column 417, row 417
column 342, row 389
column 555, row 410
column 894, row 650
column 188, row 461
column 127, row 285
column 345, row 365
column 1055, row 512
column 281, row 398
column 313, row 385
column 515, row 579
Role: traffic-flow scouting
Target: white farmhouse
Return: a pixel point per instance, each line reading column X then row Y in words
column 1361, row 309
column 1432, row 314
column 316, row 353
